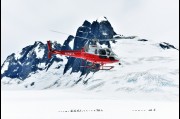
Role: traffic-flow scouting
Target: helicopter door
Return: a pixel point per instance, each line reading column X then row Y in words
column 102, row 53
column 108, row 53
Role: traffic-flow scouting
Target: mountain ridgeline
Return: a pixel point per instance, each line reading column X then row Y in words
column 31, row 58
column 146, row 66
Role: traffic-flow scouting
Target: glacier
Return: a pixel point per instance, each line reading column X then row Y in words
column 147, row 67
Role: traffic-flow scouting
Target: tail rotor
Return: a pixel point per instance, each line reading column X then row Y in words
column 49, row 49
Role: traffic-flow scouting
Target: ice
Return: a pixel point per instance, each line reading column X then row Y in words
column 145, row 85
column 101, row 19
column 39, row 52
column 145, row 68
column 17, row 55
column 71, row 44
column 5, row 67
column 52, row 104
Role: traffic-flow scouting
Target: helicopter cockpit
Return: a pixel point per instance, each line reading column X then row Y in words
column 106, row 53
column 95, row 48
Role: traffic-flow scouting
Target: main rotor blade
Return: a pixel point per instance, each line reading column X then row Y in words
column 111, row 39
column 118, row 38
column 70, row 34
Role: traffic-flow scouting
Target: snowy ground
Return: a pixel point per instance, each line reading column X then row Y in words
column 52, row 104
column 145, row 68
column 148, row 79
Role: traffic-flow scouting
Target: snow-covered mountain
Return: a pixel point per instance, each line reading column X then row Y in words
column 31, row 59
column 146, row 65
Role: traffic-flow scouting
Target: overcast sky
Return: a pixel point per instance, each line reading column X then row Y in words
column 26, row 21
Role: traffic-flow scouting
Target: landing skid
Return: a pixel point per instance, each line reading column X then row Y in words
column 91, row 67
column 106, row 67
column 101, row 67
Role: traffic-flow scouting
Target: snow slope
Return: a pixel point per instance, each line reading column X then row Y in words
column 144, row 86
column 146, row 69
column 57, row 104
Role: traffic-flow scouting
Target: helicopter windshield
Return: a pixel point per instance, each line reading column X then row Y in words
column 102, row 52
column 107, row 52
column 93, row 43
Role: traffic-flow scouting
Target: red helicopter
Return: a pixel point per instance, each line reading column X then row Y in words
column 91, row 52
